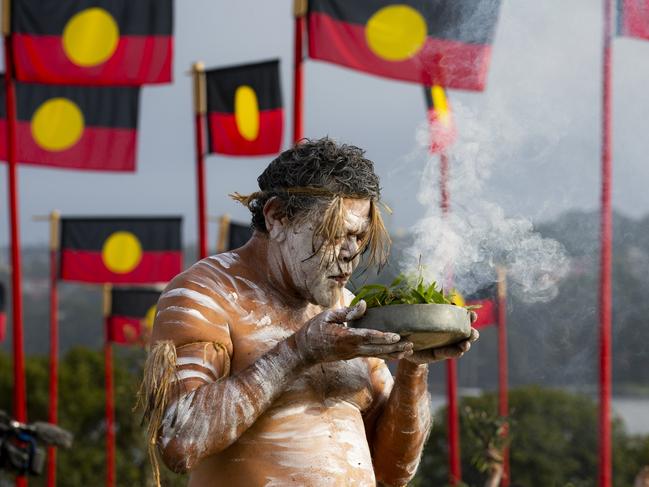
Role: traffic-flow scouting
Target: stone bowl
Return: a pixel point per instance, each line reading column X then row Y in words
column 425, row 325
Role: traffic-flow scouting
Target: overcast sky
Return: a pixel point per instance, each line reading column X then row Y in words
column 539, row 120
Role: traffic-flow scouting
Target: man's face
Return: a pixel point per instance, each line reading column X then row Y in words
column 321, row 277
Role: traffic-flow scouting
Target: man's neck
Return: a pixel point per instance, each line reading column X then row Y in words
column 268, row 270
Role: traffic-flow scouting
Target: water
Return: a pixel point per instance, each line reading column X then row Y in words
column 633, row 411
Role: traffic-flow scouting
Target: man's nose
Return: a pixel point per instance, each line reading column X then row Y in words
column 349, row 249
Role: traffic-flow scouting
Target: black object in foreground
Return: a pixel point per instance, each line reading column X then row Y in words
column 20, row 444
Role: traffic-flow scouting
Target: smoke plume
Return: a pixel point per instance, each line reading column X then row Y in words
column 476, row 235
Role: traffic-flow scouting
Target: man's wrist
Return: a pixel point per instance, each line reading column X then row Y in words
column 411, row 373
column 296, row 357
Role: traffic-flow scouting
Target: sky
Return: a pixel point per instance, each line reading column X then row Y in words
column 536, row 127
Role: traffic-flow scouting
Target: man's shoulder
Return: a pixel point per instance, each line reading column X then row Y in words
column 216, row 273
column 214, row 280
column 201, row 303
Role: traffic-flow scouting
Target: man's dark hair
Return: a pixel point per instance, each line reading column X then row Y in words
column 338, row 168
column 313, row 178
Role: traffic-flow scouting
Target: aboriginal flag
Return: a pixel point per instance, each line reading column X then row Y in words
column 633, row 18
column 74, row 127
column 120, row 250
column 245, row 113
column 93, row 42
column 487, row 299
column 3, row 314
column 440, row 119
column 431, row 42
column 131, row 316
column 238, row 235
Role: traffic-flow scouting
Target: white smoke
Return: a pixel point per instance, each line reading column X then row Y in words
column 476, row 236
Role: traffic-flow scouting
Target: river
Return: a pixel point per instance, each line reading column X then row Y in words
column 633, row 411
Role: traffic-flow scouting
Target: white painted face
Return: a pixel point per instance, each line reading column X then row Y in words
column 321, row 280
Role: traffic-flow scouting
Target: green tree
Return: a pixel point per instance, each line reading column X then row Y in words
column 554, row 442
column 82, row 412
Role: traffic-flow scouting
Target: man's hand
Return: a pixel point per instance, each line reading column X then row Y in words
column 324, row 338
column 442, row 353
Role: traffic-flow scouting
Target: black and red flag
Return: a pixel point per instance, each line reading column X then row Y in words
column 93, row 42
column 120, row 250
column 3, row 313
column 131, row 315
column 440, row 119
column 74, row 127
column 238, row 235
column 245, row 115
column 633, row 18
column 487, row 299
column 431, row 42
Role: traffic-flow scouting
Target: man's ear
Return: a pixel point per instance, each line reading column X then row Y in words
column 274, row 218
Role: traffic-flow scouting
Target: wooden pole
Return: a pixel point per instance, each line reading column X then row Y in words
column 605, row 287
column 300, row 8
column 503, row 366
column 109, row 386
column 55, row 218
column 200, row 108
column 224, row 234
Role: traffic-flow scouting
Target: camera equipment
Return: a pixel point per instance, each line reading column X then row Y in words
column 19, row 444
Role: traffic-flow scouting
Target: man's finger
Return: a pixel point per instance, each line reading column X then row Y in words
column 341, row 315
column 370, row 337
column 475, row 334
column 396, row 355
column 473, row 316
column 376, row 350
column 454, row 351
column 355, row 312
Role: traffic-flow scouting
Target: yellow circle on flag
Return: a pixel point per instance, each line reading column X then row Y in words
column 456, row 298
column 396, row 32
column 246, row 112
column 57, row 124
column 122, row 252
column 149, row 317
column 90, row 37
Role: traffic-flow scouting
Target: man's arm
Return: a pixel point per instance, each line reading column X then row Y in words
column 405, row 420
column 403, row 426
column 214, row 415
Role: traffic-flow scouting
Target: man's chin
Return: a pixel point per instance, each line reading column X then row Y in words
column 331, row 297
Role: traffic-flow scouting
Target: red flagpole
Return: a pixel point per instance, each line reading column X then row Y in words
column 299, row 11
column 54, row 342
column 110, row 406
column 19, row 392
column 503, row 364
column 199, row 117
column 605, row 292
column 454, row 463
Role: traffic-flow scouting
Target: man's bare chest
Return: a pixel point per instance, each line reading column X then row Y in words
column 259, row 332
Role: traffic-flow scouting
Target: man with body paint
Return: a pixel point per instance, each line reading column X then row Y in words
column 253, row 378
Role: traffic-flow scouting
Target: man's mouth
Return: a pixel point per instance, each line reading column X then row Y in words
column 341, row 279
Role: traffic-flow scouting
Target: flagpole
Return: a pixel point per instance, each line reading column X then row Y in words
column 503, row 365
column 55, row 218
column 299, row 12
column 108, row 383
column 200, row 108
column 224, row 227
column 605, row 290
column 19, row 392
column 454, row 464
